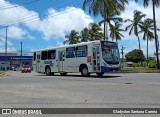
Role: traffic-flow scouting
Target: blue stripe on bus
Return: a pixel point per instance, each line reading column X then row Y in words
column 107, row 69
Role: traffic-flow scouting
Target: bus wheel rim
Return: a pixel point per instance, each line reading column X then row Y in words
column 85, row 71
column 48, row 71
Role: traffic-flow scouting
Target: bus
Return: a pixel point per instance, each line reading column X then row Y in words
column 87, row 57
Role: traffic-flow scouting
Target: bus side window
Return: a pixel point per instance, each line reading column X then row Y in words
column 81, row 51
column 70, row 52
column 51, row 54
column 44, row 55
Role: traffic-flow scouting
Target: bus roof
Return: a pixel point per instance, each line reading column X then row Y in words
column 78, row 44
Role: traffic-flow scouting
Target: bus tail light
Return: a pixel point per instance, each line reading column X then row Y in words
column 88, row 58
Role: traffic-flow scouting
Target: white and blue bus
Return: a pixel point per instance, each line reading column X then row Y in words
column 87, row 57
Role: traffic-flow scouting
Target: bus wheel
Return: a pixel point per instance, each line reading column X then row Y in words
column 100, row 74
column 84, row 72
column 63, row 74
column 48, row 71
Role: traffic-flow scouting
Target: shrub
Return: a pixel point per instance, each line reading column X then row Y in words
column 152, row 64
column 135, row 65
column 144, row 64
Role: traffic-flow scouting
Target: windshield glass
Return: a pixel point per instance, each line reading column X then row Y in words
column 110, row 54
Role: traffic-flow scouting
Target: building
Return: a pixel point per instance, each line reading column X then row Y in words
column 12, row 60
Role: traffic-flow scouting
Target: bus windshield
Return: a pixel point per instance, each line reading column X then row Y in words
column 110, row 54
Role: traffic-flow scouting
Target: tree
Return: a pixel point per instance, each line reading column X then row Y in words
column 146, row 28
column 98, row 6
column 155, row 3
column 133, row 27
column 112, row 16
column 85, row 36
column 135, row 56
column 95, row 32
column 115, row 31
column 73, row 38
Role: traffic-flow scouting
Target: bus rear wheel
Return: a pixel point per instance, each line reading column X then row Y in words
column 63, row 74
column 84, row 72
column 48, row 71
column 100, row 74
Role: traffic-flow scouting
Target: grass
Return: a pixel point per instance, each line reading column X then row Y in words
column 139, row 70
column 1, row 72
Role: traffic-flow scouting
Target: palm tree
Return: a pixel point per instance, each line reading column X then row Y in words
column 155, row 3
column 111, row 16
column 73, row 38
column 115, row 31
column 134, row 26
column 95, row 32
column 146, row 28
column 85, row 36
column 98, row 6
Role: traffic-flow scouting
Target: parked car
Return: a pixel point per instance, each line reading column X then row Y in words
column 26, row 69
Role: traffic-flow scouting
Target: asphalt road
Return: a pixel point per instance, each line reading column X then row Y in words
column 33, row 90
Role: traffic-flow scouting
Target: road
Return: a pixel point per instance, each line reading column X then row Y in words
column 128, row 90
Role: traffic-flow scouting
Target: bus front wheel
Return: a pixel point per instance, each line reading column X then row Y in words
column 100, row 74
column 84, row 71
column 48, row 71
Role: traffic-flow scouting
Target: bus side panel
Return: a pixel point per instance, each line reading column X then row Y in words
column 72, row 64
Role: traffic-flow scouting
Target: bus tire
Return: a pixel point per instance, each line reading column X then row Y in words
column 100, row 74
column 63, row 74
column 84, row 71
column 48, row 71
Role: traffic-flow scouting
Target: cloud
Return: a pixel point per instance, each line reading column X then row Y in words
column 15, row 15
column 30, row 37
column 3, row 40
column 58, row 23
column 55, row 25
column 9, row 49
column 15, row 32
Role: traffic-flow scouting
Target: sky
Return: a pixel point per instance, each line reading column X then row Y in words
column 41, row 24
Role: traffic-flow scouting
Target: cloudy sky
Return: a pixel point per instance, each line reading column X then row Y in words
column 41, row 24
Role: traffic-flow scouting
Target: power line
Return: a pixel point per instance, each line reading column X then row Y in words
column 29, row 16
column 10, row 7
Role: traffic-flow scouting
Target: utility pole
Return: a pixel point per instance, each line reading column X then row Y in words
column 104, row 33
column 122, row 49
column 6, row 49
column 21, row 56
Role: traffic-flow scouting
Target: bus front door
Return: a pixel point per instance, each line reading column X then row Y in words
column 61, row 56
column 38, row 63
column 96, row 58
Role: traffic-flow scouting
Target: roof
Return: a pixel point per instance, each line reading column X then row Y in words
column 129, row 62
column 8, row 54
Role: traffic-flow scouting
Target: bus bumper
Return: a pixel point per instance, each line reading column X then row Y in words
column 107, row 69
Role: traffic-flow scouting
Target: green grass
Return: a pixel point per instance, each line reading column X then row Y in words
column 139, row 70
